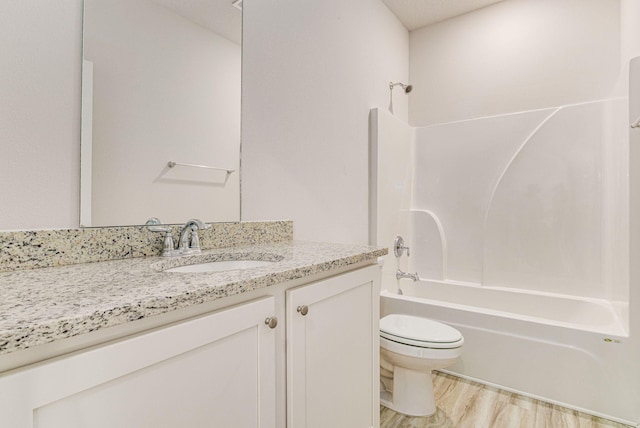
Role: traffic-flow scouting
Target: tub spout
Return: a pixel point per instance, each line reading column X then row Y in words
column 413, row 276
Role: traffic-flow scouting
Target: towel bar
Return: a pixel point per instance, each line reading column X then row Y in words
column 172, row 164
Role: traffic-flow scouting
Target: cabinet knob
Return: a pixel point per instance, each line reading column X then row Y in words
column 272, row 322
column 304, row 310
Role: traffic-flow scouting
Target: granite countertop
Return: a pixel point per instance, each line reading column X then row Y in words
column 39, row 306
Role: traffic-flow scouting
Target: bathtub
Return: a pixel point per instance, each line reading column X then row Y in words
column 559, row 349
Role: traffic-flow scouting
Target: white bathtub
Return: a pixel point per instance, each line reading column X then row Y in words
column 556, row 348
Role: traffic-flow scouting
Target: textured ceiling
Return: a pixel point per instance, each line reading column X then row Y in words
column 217, row 15
column 420, row 13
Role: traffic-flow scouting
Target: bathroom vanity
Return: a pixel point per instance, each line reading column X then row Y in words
column 293, row 343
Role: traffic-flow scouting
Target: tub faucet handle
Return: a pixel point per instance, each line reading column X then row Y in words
column 399, row 247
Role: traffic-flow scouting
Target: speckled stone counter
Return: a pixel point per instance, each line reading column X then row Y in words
column 39, row 306
column 59, row 247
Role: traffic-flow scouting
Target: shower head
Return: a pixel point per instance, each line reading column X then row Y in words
column 407, row 88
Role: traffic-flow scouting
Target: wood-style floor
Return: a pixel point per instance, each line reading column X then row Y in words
column 465, row 404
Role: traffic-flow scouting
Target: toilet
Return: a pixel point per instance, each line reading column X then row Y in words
column 410, row 348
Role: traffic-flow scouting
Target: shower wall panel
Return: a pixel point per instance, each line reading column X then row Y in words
column 457, row 166
column 521, row 199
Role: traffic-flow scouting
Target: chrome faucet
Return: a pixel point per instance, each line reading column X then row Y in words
column 190, row 230
column 188, row 242
column 413, row 276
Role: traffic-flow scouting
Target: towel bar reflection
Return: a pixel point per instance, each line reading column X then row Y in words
column 636, row 123
column 172, row 164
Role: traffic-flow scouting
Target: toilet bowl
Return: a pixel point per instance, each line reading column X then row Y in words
column 410, row 348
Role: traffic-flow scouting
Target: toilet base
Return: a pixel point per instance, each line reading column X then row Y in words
column 412, row 393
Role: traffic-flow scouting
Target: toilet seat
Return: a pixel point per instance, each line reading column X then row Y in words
column 419, row 332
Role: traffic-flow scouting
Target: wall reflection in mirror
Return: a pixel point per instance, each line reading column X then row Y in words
column 161, row 83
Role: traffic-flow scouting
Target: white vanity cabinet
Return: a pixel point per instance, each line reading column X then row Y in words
column 333, row 352
column 317, row 368
column 217, row 370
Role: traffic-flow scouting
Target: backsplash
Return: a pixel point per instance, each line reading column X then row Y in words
column 59, row 247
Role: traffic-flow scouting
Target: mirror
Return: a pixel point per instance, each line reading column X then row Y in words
column 161, row 92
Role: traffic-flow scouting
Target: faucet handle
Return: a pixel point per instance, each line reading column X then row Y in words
column 168, row 247
column 399, row 247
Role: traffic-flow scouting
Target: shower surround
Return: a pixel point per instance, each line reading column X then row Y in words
column 533, row 201
column 518, row 226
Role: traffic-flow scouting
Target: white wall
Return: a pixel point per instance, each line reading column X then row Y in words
column 41, row 48
column 165, row 89
column 513, row 56
column 311, row 72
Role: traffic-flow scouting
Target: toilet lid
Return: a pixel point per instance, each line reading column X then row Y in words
column 418, row 329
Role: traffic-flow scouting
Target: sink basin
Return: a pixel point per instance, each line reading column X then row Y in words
column 220, row 266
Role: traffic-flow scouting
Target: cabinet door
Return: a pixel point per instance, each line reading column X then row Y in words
column 333, row 352
column 213, row 371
